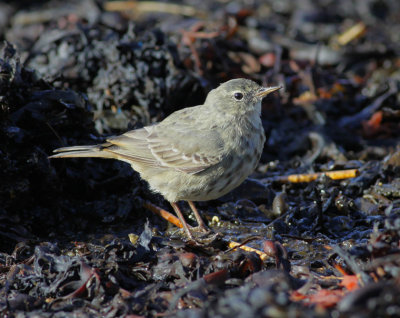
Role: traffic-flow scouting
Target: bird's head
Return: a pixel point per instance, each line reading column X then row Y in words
column 238, row 96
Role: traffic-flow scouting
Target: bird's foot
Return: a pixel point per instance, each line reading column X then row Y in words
column 203, row 236
column 201, row 229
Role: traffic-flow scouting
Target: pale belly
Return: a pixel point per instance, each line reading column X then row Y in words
column 215, row 181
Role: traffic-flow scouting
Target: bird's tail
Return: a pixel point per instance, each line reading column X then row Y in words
column 83, row 151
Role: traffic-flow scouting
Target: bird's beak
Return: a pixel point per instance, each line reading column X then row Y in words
column 264, row 91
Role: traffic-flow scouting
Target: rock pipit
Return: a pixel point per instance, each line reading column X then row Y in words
column 197, row 153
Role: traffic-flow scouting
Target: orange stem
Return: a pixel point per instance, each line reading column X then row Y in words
column 164, row 214
column 308, row 177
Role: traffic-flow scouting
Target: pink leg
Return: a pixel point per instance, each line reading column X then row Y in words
column 200, row 221
column 180, row 216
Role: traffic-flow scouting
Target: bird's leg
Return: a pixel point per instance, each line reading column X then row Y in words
column 201, row 226
column 181, row 218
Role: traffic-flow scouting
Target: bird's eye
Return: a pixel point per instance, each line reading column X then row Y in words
column 238, row 96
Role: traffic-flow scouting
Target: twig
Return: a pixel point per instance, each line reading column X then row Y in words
column 352, row 33
column 153, row 6
column 308, row 177
column 163, row 213
column 233, row 245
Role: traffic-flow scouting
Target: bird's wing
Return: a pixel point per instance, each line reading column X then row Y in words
column 187, row 149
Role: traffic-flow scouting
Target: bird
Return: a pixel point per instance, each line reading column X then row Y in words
column 198, row 153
